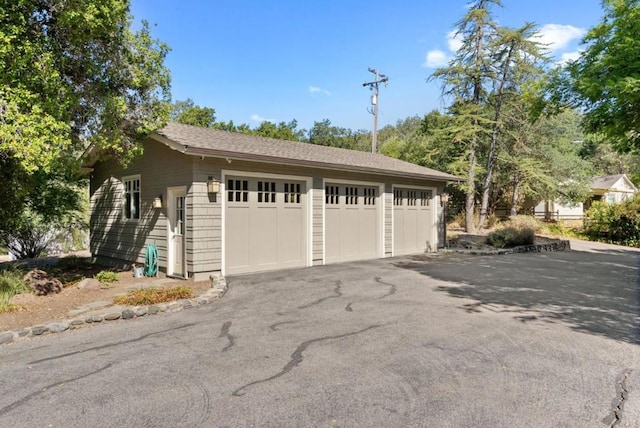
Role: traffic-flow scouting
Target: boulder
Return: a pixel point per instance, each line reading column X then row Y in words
column 89, row 284
column 42, row 283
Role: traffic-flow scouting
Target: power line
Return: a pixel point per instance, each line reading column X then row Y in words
column 374, row 86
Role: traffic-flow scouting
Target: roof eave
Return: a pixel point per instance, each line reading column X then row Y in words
column 194, row 151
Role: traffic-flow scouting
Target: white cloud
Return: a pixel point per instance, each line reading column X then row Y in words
column 260, row 119
column 557, row 36
column 316, row 89
column 436, row 58
column 569, row 56
column 454, row 40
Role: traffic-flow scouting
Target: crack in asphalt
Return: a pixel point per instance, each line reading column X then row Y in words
column 23, row 400
column 296, row 358
column 621, row 397
column 110, row 345
column 224, row 332
column 393, row 289
column 336, row 291
column 348, row 308
column 274, row 327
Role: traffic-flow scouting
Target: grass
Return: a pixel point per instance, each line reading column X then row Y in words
column 11, row 283
column 152, row 295
column 106, row 276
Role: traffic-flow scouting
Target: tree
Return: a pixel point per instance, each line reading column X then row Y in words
column 188, row 113
column 517, row 60
column 604, row 81
column 282, row 130
column 73, row 74
column 466, row 81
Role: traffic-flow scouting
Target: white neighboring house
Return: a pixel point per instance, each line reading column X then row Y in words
column 612, row 189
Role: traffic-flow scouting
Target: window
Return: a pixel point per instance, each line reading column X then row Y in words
column 331, row 195
column 369, row 196
column 351, row 195
column 237, row 190
column 131, row 197
column 411, row 198
column 397, row 197
column 425, row 197
column 179, row 215
column 291, row 193
column 266, row 191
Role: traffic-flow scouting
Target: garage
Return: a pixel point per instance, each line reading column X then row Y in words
column 352, row 222
column 265, row 224
column 414, row 226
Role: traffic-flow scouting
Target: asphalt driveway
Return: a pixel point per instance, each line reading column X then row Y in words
column 441, row 340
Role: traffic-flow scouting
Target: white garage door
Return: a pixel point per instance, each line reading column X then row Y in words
column 265, row 224
column 413, row 223
column 352, row 222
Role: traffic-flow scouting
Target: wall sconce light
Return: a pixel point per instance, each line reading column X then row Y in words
column 444, row 198
column 157, row 202
column 213, row 185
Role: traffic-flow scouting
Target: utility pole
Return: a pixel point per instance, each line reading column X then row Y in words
column 380, row 78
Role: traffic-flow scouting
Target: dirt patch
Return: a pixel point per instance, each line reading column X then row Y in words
column 36, row 310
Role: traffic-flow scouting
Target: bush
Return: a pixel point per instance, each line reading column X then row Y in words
column 152, row 295
column 524, row 222
column 106, row 276
column 509, row 237
column 615, row 223
column 11, row 283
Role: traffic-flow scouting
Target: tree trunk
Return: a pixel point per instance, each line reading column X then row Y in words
column 491, row 157
column 515, row 196
column 471, row 190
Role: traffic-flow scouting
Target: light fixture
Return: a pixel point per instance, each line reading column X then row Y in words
column 157, row 201
column 444, row 198
column 213, row 185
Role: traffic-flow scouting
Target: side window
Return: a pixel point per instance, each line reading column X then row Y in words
column 131, row 200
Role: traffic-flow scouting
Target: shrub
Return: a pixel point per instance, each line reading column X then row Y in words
column 11, row 283
column 509, row 237
column 616, row 223
column 524, row 222
column 106, row 276
column 152, row 295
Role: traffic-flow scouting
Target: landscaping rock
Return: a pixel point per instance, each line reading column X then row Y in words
column 58, row 327
column 128, row 314
column 112, row 316
column 153, row 309
column 42, row 283
column 6, row 337
column 39, row 329
column 142, row 311
column 89, row 284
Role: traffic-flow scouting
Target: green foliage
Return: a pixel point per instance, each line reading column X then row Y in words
column 106, row 276
column 152, row 295
column 509, row 237
column 604, row 81
column 615, row 223
column 186, row 112
column 11, row 283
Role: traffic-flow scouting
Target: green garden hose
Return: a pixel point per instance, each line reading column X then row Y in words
column 151, row 261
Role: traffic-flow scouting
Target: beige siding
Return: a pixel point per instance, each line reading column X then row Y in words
column 318, row 221
column 117, row 240
column 388, row 219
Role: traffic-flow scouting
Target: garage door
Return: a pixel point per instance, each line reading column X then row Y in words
column 265, row 224
column 352, row 222
column 413, row 224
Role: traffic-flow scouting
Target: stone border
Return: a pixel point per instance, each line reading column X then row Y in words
column 217, row 290
column 559, row 245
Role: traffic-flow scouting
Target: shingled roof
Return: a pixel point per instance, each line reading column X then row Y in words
column 196, row 141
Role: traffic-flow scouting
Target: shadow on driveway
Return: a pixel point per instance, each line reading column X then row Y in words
column 596, row 292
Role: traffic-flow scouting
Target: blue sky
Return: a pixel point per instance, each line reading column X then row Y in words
column 277, row 60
